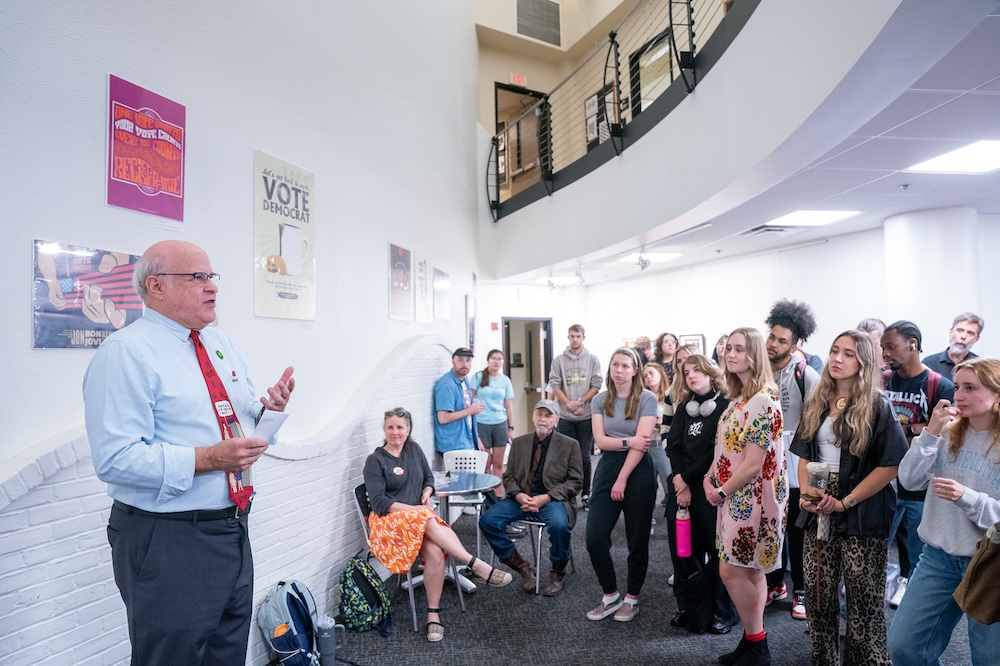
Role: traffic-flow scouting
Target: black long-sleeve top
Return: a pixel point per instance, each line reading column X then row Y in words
column 390, row 479
column 691, row 440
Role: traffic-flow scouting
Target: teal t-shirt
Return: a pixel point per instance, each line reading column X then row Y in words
column 493, row 396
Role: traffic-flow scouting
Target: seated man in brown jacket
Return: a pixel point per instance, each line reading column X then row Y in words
column 543, row 476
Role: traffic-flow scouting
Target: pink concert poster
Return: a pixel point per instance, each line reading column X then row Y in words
column 145, row 151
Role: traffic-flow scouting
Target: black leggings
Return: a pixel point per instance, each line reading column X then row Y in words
column 640, row 496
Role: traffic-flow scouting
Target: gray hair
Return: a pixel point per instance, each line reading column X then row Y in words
column 972, row 318
column 871, row 325
column 148, row 264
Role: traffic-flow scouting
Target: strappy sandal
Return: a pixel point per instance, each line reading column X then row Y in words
column 496, row 578
column 435, row 630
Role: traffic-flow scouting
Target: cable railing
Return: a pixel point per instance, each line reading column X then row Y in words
column 652, row 49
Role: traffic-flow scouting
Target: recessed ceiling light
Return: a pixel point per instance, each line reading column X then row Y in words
column 654, row 257
column 812, row 218
column 978, row 157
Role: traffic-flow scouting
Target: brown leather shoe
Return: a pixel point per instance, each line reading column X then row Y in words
column 518, row 564
column 557, row 578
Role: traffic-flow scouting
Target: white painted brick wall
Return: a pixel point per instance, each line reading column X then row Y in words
column 58, row 600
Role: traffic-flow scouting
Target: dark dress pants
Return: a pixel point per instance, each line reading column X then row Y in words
column 187, row 587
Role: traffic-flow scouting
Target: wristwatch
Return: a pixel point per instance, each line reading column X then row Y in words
column 850, row 501
column 624, row 442
column 722, row 493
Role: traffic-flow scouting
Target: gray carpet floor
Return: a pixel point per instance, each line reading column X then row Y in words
column 508, row 626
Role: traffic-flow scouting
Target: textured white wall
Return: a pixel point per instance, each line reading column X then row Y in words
column 362, row 94
column 58, row 600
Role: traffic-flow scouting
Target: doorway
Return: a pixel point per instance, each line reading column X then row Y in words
column 527, row 344
column 521, row 151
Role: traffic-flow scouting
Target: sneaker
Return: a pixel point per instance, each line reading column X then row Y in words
column 602, row 610
column 670, row 581
column 776, row 594
column 627, row 612
column 897, row 596
column 798, row 605
column 585, row 501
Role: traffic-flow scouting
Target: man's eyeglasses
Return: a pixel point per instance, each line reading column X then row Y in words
column 200, row 278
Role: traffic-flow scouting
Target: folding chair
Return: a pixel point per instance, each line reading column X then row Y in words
column 536, row 549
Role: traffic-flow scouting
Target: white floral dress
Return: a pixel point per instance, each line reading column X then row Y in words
column 751, row 523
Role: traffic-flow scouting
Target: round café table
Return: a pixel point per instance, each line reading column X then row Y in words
column 450, row 484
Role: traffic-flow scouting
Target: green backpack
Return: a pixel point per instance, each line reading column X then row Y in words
column 364, row 602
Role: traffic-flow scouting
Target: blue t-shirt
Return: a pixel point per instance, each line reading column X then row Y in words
column 492, row 397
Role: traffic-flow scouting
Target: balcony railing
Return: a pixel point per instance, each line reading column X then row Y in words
column 594, row 112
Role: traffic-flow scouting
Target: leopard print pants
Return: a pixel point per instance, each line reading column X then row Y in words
column 861, row 563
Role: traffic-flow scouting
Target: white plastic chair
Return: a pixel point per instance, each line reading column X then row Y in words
column 467, row 460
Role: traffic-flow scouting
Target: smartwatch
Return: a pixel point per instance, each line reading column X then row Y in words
column 722, row 493
column 624, row 442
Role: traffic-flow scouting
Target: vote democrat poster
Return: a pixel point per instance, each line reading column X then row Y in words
column 284, row 240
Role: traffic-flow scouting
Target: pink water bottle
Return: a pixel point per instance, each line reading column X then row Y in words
column 683, row 533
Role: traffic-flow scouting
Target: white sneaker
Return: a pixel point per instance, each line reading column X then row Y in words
column 897, row 596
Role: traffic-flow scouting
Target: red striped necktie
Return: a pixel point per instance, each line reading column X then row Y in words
column 229, row 425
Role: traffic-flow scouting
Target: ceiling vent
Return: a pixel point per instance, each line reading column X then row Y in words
column 539, row 19
column 769, row 230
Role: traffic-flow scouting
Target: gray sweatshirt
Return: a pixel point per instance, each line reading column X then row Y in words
column 955, row 527
column 574, row 376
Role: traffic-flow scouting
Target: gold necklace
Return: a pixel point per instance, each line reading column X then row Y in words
column 841, row 403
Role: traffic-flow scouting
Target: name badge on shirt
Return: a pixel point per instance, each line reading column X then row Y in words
column 398, row 471
column 223, row 408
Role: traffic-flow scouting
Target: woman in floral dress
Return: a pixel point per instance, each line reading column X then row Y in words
column 748, row 480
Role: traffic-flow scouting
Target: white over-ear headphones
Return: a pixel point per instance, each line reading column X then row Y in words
column 703, row 409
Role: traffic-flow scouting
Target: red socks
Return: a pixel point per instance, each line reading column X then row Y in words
column 756, row 638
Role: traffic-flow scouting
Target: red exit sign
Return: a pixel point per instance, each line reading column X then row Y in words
column 517, row 79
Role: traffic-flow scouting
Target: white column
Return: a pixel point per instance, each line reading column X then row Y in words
column 932, row 270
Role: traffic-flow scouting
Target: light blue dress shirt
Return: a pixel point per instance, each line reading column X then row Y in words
column 147, row 407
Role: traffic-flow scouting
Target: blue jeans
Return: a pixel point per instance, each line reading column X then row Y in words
column 494, row 522
column 912, row 511
column 923, row 624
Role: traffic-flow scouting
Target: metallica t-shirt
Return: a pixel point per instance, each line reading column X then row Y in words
column 912, row 405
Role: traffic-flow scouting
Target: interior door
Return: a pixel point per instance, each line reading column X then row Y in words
column 537, row 364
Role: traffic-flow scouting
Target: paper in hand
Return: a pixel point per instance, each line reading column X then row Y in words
column 269, row 425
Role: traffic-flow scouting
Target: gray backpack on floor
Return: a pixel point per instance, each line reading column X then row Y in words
column 287, row 618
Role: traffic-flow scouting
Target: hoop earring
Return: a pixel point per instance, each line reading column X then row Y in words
column 996, row 407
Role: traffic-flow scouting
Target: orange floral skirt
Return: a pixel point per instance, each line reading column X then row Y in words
column 396, row 538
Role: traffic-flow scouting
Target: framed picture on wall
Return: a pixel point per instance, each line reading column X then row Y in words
column 400, row 283
column 442, row 294
column 502, row 151
column 696, row 340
